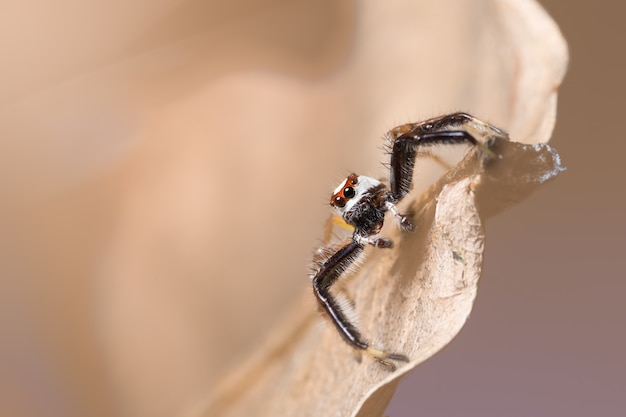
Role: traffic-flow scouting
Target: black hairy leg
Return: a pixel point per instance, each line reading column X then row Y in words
column 328, row 274
column 407, row 141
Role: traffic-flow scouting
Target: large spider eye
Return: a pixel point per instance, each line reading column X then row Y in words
column 338, row 201
column 349, row 192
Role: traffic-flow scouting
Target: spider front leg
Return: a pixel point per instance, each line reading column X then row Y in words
column 327, row 275
column 454, row 128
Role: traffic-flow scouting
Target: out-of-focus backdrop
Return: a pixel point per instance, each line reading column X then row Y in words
column 160, row 201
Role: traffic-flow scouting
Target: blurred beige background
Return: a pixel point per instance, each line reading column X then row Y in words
column 157, row 195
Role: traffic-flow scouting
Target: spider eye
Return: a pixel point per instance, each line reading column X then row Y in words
column 349, row 192
column 338, row 201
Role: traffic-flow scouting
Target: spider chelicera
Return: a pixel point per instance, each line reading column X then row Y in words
column 363, row 201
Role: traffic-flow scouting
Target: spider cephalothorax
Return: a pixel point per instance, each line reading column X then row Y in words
column 363, row 202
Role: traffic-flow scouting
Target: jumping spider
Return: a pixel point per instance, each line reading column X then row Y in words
column 363, row 201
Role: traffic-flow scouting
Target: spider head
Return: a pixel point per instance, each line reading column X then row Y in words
column 351, row 191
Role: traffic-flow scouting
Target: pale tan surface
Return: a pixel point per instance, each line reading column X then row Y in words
column 122, row 192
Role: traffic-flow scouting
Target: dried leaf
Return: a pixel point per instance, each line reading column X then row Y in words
column 415, row 298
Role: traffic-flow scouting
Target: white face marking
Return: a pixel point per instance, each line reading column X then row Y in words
column 364, row 183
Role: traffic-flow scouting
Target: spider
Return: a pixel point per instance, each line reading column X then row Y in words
column 362, row 202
